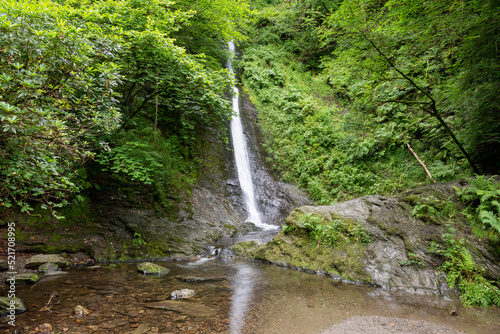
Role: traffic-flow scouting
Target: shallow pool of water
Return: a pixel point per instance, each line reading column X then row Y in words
column 253, row 298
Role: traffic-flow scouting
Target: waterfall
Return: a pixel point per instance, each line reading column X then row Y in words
column 242, row 159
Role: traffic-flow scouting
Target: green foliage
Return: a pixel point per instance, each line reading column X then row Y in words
column 144, row 156
column 463, row 271
column 483, row 199
column 213, row 21
column 335, row 232
column 58, row 91
column 436, row 44
column 430, row 209
column 71, row 69
column 412, row 260
column 327, row 150
column 288, row 228
column 138, row 240
column 327, row 116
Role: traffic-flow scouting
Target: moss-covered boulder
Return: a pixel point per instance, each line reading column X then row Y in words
column 148, row 268
column 388, row 242
column 23, row 279
column 11, row 306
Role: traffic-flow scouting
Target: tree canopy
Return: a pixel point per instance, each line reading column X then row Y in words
column 77, row 73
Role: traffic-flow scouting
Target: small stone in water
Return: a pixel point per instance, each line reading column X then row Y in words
column 80, row 311
column 180, row 294
column 44, row 328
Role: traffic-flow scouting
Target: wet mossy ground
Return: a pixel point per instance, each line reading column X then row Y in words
column 297, row 250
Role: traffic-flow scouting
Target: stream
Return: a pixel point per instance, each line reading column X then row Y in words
column 248, row 297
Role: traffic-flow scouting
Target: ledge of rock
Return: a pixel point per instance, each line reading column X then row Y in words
column 398, row 256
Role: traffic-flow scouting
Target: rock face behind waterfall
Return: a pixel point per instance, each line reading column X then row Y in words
column 121, row 221
column 276, row 199
column 398, row 256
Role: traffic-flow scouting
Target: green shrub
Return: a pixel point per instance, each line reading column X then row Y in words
column 483, row 198
column 462, row 271
column 335, row 232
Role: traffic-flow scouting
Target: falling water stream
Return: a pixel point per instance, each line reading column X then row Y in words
column 242, row 159
column 243, row 281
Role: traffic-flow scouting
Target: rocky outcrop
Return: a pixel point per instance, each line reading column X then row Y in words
column 398, row 257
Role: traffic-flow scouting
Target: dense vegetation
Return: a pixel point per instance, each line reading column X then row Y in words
column 360, row 97
column 85, row 81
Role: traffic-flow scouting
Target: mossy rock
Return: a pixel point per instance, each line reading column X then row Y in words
column 8, row 304
column 48, row 267
column 23, row 279
column 246, row 249
column 148, row 268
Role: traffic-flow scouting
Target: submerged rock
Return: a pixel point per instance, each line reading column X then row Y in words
column 55, row 274
column 148, row 268
column 80, row 311
column 9, row 305
column 398, row 257
column 196, row 310
column 3, row 265
column 23, row 279
column 182, row 294
column 196, row 279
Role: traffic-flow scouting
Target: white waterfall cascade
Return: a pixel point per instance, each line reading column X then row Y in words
column 241, row 157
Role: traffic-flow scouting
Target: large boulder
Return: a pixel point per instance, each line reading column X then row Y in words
column 398, row 257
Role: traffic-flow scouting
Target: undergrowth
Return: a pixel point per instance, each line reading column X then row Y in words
column 483, row 210
column 463, row 272
column 317, row 141
column 332, row 232
column 141, row 154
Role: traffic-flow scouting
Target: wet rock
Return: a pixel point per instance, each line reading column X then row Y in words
column 48, row 267
column 9, row 305
column 81, row 259
column 94, row 267
column 143, row 328
column 182, row 294
column 80, row 311
column 23, row 279
column 246, row 249
column 196, row 310
column 196, row 279
column 4, row 266
column 37, row 260
column 43, row 328
column 148, row 268
column 55, row 274
column 398, row 256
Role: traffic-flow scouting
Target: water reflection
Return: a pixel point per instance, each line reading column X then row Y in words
column 249, row 298
column 243, row 283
